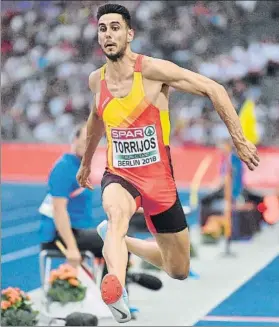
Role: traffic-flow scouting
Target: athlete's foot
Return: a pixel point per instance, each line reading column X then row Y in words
column 115, row 296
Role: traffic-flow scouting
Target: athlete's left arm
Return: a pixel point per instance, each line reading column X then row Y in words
column 185, row 80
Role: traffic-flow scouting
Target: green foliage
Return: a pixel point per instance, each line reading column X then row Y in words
column 62, row 291
column 18, row 317
column 16, row 308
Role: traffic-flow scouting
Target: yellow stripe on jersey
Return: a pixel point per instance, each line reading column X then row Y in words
column 165, row 123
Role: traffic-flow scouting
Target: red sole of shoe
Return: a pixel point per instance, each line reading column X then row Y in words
column 111, row 289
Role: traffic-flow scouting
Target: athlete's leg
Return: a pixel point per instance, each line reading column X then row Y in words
column 120, row 200
column 173, row 254
column 119, row 206
column 147, row 250
column 170, row 252
column 175, row 249
column 89, row 239
column 105, row 271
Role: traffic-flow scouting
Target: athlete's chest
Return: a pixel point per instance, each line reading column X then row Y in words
column 124, row 91
column 120, row 89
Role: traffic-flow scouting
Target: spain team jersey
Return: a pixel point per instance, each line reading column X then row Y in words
column 138, row 138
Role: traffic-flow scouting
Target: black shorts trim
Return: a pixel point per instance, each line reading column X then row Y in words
column 109, row 178
column 172, row 220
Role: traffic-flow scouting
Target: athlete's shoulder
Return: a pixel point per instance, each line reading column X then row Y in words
column 152, row 68
column 94, row 80
column 148, row 62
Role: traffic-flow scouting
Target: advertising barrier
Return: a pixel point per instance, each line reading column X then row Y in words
column 32, row 162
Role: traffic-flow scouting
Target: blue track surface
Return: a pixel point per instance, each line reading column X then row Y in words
column 262, row 300
column 19, row 216
column 20, row 203
column 233, row 323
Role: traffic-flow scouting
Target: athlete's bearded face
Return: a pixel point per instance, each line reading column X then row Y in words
column 114, row 36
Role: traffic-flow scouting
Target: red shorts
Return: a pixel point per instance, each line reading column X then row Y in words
column 162, row 208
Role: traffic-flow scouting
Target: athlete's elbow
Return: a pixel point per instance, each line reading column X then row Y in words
column 215, row 90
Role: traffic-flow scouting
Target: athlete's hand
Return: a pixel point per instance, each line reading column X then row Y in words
column 73, row 256
column 248, row 153
column 83, row 177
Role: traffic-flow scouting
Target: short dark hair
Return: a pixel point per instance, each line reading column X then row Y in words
column 111, row 8
column 77, row 130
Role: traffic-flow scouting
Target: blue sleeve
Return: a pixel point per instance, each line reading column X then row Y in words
column 61, row 180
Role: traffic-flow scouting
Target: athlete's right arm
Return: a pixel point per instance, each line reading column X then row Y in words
column 181, row 79
column 95, row 131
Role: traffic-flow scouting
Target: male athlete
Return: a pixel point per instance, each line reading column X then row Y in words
column 131, row 106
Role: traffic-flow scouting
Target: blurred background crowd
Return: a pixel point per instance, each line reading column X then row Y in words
column 49, row 48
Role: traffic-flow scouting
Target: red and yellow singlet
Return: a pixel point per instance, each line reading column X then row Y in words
column 138, row 139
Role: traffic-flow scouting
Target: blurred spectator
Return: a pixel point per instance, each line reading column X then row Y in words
column 50, row 47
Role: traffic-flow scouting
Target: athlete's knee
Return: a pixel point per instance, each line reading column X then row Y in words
column 118, row 218
column 179, row 270
column 179, row 273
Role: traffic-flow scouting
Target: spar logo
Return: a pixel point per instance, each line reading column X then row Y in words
column 132, row 133
column 127, row 134
column 149, row 131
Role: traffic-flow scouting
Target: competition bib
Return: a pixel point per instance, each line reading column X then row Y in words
column 46, row 208
column 134, row 147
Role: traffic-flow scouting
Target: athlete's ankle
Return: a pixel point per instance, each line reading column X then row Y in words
column 125, row 296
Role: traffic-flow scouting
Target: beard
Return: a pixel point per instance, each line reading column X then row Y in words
column 116, row 56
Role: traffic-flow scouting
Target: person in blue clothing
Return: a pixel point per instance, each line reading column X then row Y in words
column 231, row 161
column 66, row 211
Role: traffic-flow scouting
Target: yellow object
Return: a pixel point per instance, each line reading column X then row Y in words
column 249, row 122
column 165, row 122
column 215, row 226
column 196, row 181
column 61, row 247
